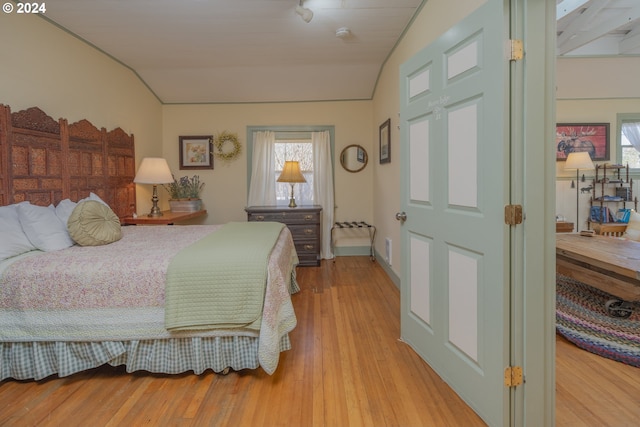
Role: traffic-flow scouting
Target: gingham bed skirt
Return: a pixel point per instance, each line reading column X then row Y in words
column 38, row 360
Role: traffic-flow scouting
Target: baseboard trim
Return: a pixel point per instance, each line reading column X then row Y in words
column 387, row 268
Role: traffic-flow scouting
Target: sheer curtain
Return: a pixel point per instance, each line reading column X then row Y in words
column 323, row 187
column 632, row 132
column 262, row 190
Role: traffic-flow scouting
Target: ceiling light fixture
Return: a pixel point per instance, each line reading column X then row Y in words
column 343, row 33
column 305, row 14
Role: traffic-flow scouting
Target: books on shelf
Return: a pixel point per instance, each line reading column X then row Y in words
column 603, row 214
column 623, row 215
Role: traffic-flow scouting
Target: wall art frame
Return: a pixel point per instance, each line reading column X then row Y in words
column 384, row 136
column 590, row 137
column 196, row 152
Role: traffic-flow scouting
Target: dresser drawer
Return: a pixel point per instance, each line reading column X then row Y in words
column 302, row 231
column 304, row 224
column 308, row 251
column 286, row 217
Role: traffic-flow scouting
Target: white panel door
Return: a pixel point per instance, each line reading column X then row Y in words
column 454, row 189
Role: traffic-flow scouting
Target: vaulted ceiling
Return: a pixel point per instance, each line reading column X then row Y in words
column 598, row 27
column 232, row 51
column 196, row 51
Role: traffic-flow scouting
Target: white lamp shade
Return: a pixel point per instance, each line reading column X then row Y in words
column 579, row 160
column 291, row 172
column 153, row 170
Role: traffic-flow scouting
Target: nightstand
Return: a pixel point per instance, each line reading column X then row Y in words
column 167, row 218
column 302, row 221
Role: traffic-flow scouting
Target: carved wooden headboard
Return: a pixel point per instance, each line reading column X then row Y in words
column 45, row 161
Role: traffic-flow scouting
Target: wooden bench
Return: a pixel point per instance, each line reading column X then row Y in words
column 611, row 229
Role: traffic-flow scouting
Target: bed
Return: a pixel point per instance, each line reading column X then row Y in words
column 65, row 308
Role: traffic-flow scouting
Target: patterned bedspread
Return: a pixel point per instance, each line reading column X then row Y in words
column 116, row 292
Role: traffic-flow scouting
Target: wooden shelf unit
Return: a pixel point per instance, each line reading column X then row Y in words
column 611, row 178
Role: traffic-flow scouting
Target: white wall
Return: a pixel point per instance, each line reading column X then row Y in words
column 43, row 66
column 225, row 192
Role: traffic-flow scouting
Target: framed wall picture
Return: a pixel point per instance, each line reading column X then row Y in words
column 196, row 152
column 385, row 141
column 590, row 137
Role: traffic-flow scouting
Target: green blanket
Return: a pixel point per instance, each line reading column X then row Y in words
column 220, row 280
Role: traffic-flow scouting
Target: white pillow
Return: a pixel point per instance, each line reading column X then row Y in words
column 14, row 241
column 93, row 196
column 43, row 228
column 633, row 227
column 64, row 209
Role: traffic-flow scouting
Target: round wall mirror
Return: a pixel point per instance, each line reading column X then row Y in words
column 354, row 158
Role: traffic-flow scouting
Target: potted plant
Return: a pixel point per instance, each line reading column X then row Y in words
column 184, row 194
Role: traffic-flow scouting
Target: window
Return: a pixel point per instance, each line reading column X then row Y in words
column 300, row 150
column 629, row 140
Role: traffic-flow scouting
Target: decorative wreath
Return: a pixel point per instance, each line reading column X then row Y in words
column 223, row 151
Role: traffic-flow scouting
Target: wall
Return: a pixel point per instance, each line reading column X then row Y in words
column 225, row 192
column 44, row 66
column 386, row 104
column 584, row 96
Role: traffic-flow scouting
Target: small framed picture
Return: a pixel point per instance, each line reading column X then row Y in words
column 385, row 142
column 196, row 152
column 590, row 137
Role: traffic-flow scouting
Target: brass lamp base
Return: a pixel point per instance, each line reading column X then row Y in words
column 155, row 210
column 292, row 200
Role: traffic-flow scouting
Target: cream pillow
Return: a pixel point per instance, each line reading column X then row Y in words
column 93, row 223
column 633, row 227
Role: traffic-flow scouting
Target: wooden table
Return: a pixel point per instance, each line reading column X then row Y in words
column 167, row 218
column 607, row 263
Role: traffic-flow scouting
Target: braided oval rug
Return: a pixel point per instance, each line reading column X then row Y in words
column 582, row 318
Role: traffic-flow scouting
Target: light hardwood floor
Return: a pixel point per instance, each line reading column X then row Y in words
column 347, row 368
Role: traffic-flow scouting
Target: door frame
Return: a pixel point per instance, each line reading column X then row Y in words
column 533, row 251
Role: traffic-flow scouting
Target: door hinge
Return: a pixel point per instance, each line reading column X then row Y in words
column 517, row 50
column 513, row 376
column 513, row 214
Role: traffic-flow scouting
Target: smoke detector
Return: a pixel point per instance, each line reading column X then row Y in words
column 343, row 32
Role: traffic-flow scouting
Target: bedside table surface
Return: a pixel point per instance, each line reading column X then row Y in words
column 167, row 218
column 283, row 208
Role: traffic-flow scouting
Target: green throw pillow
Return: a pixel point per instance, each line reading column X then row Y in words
column 93, row 224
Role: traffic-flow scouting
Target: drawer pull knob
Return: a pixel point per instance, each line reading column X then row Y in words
column 308, row 217
column 308, row 247
column 260, row 218
column 308, row 231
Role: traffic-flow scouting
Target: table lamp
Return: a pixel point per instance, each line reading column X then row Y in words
column 154, row 170
column 291, row 174
column 578, row 160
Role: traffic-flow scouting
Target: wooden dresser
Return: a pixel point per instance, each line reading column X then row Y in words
column 304, row 223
